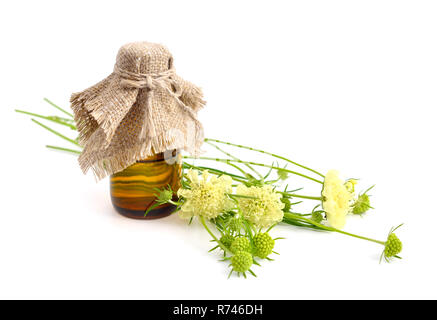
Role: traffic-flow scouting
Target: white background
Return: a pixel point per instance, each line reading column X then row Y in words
column 349, row 85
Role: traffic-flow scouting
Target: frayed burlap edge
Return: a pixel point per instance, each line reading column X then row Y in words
column 113, row 164
column 89, row 114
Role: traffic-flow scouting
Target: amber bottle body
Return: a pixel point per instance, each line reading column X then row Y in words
column 133, row 190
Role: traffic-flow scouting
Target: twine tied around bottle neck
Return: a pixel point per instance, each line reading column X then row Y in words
column 149, row 81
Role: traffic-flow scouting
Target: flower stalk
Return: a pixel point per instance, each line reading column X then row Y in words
column 267, row 153
column 294, row 216
column 230, row 161
column 219, row 243
column 56, row 133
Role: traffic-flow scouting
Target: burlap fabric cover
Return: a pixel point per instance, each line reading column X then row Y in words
column 140, row 109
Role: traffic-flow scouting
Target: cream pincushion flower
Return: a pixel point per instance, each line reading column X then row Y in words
column 265, row 209
column 337, row 199
column 207, row 196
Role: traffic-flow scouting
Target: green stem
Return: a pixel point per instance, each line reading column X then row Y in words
column 228, row 161
column 174, row 203
column 248, row 228
column 300, row 196
column 235, row 158
column 58, row 107
column 214, row 171
column 202, row 220
column 240, row 196
column 238, row 168
column 293, row 216
column 58, row 120
column 267, row 153
column 64, row 149
column 301, row 214
column 56, row 133
column 230, row 164
column 297, row 223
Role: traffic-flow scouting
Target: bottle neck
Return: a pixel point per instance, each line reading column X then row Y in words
column 167, row 155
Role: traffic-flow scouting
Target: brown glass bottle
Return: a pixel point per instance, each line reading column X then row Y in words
column 133, row 189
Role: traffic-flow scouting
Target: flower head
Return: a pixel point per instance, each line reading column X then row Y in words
column 317, row 216
column 264, row 208
column 240, row 244
column 282, row 174
column 164, row 195
column 227, row 240
column 336, row 199
column 393, row 246
column 241, row 261
column 362, row 203
column 264, row 245
column 235, row 224
column 287, row 203
column 207, row 195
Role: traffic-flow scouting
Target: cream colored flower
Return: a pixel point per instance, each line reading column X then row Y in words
column 337, row 199
column 265, row 209
column 207, row 196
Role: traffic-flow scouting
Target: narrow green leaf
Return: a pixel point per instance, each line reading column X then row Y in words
column 56, row 132
column 64, row 149
column 58, row 107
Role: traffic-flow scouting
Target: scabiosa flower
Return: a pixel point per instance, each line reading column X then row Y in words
column 227, row 240
column 282, row 174
column 362, row 203
column 264, row 245
column 164, row 195
column 241, row 261
column 393, row 246
column 287, row 204
column 207, row 196
column 336, row 199
column 240, row 244
column 235, row 224
column 317, row 216
column 264, row 209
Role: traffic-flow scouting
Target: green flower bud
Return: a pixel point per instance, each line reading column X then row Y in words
column 361, row 205
column 263, row 245
column 241, row 261
column 317, row 216
column 252, row 181
column 240, row 244
column 287, row 203
column 393, row 246
column 227, row 240
column 282, row 174
column 164, row 196
column 235, row 224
